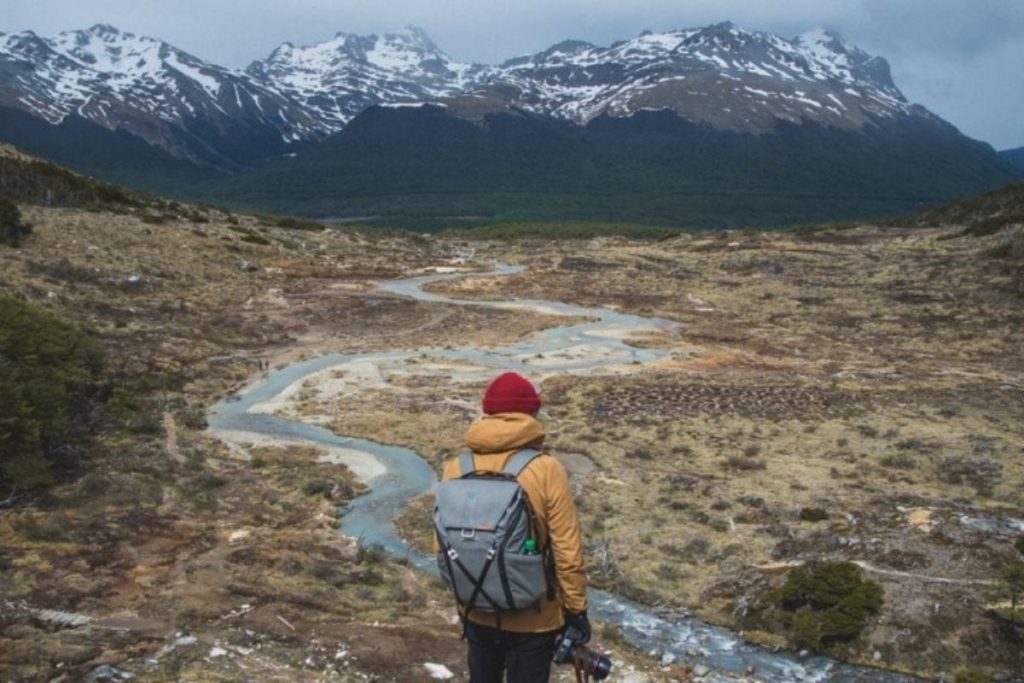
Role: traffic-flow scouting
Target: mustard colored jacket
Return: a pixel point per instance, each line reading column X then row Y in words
column 493, row 439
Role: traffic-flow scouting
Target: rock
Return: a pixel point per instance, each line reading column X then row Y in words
column 667, row 658
column 246, row 266
column 238, row 536
column 877, row 656
column 700, row 671
column 438, row 671
column 107, row 674
column 636, row 677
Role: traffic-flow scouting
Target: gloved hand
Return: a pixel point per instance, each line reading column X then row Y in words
column 580, row 622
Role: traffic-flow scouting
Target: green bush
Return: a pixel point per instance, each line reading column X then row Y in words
column 972, row 675
column 1013, row 581
column 12, row 229
column 48, row 391
column 318, row 487
column 813, row 514
column 830, row 602
column 1011, row 244
column 131, row 412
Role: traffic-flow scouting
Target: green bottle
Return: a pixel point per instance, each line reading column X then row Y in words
column 529, row 547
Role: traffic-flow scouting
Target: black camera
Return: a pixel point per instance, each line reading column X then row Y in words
column 571, row 651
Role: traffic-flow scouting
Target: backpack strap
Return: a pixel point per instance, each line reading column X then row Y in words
column 467, row 465
column 518, row 462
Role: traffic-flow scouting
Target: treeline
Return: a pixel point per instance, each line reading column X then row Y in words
column 652, row 168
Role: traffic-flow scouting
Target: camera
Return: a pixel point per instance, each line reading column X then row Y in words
column 571, row 651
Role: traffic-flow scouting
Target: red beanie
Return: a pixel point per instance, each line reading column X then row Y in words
column 510, row 393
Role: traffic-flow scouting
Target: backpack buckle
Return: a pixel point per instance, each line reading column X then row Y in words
column 452, row 555
column 468, row 534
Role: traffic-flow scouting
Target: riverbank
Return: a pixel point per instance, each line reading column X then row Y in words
column 169, row 556
column 740, row 429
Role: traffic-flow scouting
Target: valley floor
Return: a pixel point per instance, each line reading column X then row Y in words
column 874, row 374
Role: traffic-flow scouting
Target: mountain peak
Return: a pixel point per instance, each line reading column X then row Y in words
column 103, row 30
column 414, row 32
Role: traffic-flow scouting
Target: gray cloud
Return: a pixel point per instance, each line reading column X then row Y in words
column 962, row 59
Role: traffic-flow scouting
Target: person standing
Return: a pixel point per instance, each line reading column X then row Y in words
column 518, row 642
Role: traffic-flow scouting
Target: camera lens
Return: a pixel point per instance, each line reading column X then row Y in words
column 597, row 664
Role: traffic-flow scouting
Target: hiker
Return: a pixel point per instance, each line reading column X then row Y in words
column 534, row 587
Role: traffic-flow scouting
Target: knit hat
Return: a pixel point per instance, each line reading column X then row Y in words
column 511, row 393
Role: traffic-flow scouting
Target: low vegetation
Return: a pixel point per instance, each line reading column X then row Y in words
column 12, row 228
column 31, row 181
column 574, row 230
column 1013, row 581
column 50, row 389
column 985, row 214
column 827, row 602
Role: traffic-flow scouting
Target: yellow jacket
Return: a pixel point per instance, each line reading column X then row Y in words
column 493, row 439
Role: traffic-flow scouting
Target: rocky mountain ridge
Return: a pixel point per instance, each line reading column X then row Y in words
column 719, row 75
column 152, row 90
column 1014, row 156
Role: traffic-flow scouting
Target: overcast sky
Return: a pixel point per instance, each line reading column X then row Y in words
column 962, row 59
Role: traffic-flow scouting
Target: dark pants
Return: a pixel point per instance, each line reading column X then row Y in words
column 523, row 657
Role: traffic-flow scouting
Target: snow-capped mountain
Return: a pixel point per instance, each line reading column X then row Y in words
column 719, row 75
column 339, row 78
column 150, row 89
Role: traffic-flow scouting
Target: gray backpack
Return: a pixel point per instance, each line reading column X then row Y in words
column 483, row 522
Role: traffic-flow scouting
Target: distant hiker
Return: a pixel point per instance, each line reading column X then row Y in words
column 514, row 562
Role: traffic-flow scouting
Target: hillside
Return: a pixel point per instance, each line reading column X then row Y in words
column 1014, row 156
column 651, row 167
column 981, row 215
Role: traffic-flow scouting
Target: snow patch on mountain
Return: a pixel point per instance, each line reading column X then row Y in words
column 718, row 75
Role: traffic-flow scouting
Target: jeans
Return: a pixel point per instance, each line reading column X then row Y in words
column 522, row 657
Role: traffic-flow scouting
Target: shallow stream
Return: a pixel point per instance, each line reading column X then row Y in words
column 406, row 475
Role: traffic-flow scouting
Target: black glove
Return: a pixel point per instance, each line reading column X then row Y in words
column 581, row 623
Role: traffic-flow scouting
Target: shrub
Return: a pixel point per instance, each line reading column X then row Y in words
column 42, row 528
column 737, row 462
column 813, row 514
column 253, row 238
column 980, row 473
column 1011, row 243
column 293, row 223
column 831, row 601
column 318, row 487
column 898, row 461
column 12, row 229
column 1013, row 580
column 971, row 675
column 48, row 391
column 1019, row 545
column 132, row 412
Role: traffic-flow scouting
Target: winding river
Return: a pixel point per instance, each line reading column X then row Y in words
column 400, row 474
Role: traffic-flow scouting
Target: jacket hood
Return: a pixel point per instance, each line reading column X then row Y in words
column 503, row 432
